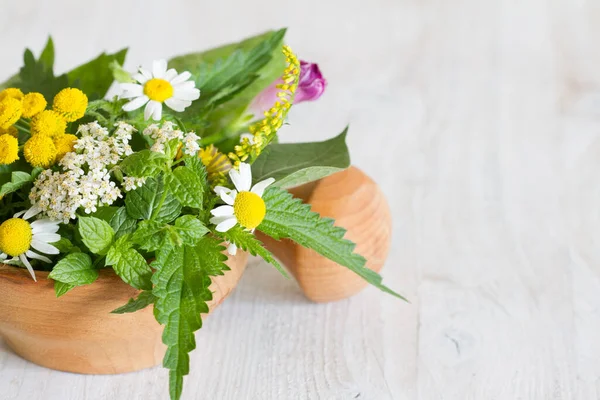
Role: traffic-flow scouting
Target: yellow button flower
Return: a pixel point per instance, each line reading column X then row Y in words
column 15, row 236
column 39, row 151
column 71, row 103
column 33, row 103
column 10, row 111
column 9, row 149
column 64, row 144
column 48, row 123
column 12, row 93
column 11, row 130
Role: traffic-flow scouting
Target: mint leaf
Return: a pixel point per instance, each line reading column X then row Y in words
column 65, row 246
column 61, row 288
column 105, row 213
column 74, row 269
column 181, row 288
column 289, row 218
column 299, row 163
column 96, row 234
column 18, row 179
column 186, row 186
column 130, row 265
column 144, row 163
column 190, row 229
column 152, row 201
column 150, row 235
column 248, row 242
column 95, row 77
column 143, row 300
column 121, row 223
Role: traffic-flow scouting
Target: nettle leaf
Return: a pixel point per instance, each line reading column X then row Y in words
column 190, row 229
column 95, row 77
column 186, row 186
column 248, row 242
column 96, row 234
column 143, row 164
column 18, row 179
column 289, row 218
column 150, row 235
column 152, row 201
column 129, row 264
column 122, row 223
column 299, row 163
column 181, row 287
column 142, row 301
column 61, row 288
column 75, row 269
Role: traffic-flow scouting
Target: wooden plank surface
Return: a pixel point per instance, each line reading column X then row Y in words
column 481, row 121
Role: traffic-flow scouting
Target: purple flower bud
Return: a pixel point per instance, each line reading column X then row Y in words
column 311, row 86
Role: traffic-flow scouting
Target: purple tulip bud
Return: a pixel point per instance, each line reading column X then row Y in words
column 311, row 86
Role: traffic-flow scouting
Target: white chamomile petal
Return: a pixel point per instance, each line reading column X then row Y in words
column 43, row 247
column 153, row 109
column 136, row 103
column 260, row 187
column 246, row 175
column 32, row 212
column 226, row 225
column 37, row 256
column 186, row 94
column 144, row 74
column 177, row 104
column 25, row 262
column 183, row 86
column 44, row 225
column 159, row 68
column 170, row 74
column 17, row 215
column 232, row 249
column 182, row 77
column 47, row 237
column 222, row 211
column 130, row 90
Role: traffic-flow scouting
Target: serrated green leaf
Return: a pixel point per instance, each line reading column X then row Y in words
column 61, row 288
column 95, row 77
column 186, row 187
column 105, row 213
column 17, row 181
column 150, row 235
column 47, row 56
column 38, row 76
column 152, row 201
column 65, row 246
column 288, row 218
column 130, row 265
column 142, row 301
column 144, row 163
column 299, row 163
column 190, row 229
column 75, row 269
column 96, row 234
column 248, row 242
column 122, row 223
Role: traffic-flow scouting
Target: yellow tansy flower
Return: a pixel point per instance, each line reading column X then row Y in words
column 33, row 103
column 39, row 151
column 48, row 123
column 11, row 130
column 11, row 92
column 64, row 144
column 10, row 111
column 71, row 103
column 9, row 149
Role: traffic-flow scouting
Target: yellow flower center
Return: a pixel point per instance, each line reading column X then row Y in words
column 33, row 103
column 15, row 236
column 249, row 209
column 158, row 89
column 11, row 92
column 64, row 144
column 71, row 103
column 48, row 123
column 9, row 149
column 10, row 111
column 39, row 151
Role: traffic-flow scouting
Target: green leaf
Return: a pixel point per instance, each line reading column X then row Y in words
column 152, row 201
column 65, row 246
column 299, row 163
column 47, row 56
column 144, row 163
column 248, row 242
column 190, row 229
column 97, row 234
column 210, row 257
column 150, row 235
column 121, row 223
column 288, row 218
column 181, row 288
column 17, row 181
column 105, row 213
column 186, row 186
column 61, row 288
column 95, row 77
column 74, row 269
column 38, row 75
column 130, row 265
column 143, row 300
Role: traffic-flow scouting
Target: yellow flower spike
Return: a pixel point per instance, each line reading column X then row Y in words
column 71, row 103
column 10, row 111
column 13, row 93
column 11, row 130
column 9, row 149
column 33, row 103
column 15, row 236
column 48, row 123
column 64, row 144
column 217, row 164
column 39, row 151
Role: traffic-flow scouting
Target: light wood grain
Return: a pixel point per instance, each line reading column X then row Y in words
column 480, row 121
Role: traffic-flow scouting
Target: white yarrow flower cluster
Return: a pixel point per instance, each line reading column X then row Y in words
column 85, row 181
column 132, row 183
column 162, row 134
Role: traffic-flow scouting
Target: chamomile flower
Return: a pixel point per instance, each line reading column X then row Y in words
column 158, row 87
column 243, row 205
column 18, row 238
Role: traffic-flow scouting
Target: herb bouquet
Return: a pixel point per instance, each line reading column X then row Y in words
column 163, row 177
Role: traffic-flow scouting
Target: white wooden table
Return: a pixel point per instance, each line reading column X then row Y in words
column 481, row 121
